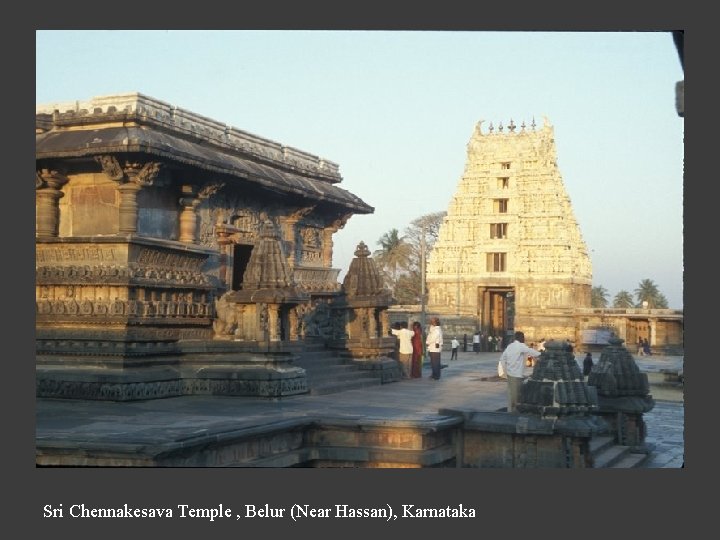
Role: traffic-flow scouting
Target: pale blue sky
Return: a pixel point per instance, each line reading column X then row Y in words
column 396, row 110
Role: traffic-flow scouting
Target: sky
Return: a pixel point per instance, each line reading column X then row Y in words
column 396, row 109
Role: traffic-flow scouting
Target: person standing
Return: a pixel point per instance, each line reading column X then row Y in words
column 476, row 342
column 464, row 342
column 513, row 363
column 417, row 357
column 587, row 364
column 434, row 342
column 454, row 345
column 405, row 350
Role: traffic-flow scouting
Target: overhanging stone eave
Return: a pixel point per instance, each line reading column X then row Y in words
column 227, row 169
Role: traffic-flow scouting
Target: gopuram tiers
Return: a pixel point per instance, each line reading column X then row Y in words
column 510, row 253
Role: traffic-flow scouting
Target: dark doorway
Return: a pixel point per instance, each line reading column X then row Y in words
column 241, row 257
column 497, row 312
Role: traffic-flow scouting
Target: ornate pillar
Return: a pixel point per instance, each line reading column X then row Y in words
column 128, row 208
column 188, row 218
column 48, row 192
column 131, row 179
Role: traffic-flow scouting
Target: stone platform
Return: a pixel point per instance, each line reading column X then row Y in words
column 402, row 424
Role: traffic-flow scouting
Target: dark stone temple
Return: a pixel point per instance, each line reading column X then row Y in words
column 178, row 255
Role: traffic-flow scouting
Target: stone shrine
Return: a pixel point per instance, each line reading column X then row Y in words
column 623, row 394
column 176, row 254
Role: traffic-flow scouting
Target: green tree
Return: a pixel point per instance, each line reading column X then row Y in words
column 647, row 291
column 393, row 257
column 623, row 299
column 598, row 297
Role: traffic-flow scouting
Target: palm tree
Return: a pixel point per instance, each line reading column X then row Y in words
column 623, row 299
column 647, row 291
column 598, row 297
column 392, row 257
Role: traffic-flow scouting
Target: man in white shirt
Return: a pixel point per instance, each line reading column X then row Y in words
column 513, row 362
column 405, row 351
column 454, row 345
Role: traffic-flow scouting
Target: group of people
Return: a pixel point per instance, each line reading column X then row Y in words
column 411, row 349
column 512, row 361
column 643, row 347
column 489, row 343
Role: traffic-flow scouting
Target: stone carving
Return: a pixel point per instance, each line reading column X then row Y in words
column 111, row 167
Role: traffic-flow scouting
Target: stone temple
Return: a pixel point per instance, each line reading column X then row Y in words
column 178, row 255
column 510, row 252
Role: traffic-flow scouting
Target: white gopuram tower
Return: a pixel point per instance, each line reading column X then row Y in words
column 510, row 253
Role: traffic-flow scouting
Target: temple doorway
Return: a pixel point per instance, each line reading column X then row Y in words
column 241, row 257
column 497, row 312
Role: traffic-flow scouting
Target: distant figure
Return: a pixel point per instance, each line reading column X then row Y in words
column 646, row 348
column 490, row 346
column 476, row 342
column 498, row 343
column 513, row 364
column 405, row 350
column 454, row 345
column 587, row 364
column 434, row 342
column 417, row 357
column 464, row 342
column 541, row 345
column 641, row 349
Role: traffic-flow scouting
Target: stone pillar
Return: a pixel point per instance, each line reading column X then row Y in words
column 653, row 332
column 188, row 217
column 225, row 245
column 128, row 208
column 48, row 192
column 293, row 322
column 274, row 322
column 327, row 247
column 384, row 323
column 131, row 179
column 372, row 323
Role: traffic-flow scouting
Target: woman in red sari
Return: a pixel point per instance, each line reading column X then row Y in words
column 418, row 350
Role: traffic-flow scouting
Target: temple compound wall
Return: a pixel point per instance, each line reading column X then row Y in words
column 510, row 252
column 160, row 233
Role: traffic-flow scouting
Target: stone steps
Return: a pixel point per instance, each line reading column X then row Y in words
column 328, row 373
column 608, row 455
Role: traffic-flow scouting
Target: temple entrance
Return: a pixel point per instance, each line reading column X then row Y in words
column 496, row 312
column 241, row 257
